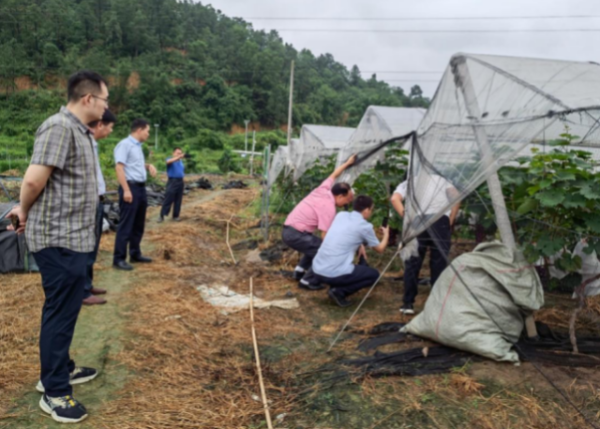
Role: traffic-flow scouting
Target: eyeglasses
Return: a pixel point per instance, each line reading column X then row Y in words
column 99, row 98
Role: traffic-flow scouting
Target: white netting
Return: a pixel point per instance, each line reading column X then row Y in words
column 317, row 142
column 488, row 110
column 279, row 163
column 377, row 125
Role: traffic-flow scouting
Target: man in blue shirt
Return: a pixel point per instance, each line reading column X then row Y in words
column 100, row 130
column 333, row 264
column 174, row 193
column 131, row 173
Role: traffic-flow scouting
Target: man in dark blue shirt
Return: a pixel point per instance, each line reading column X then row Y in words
column 174, row 193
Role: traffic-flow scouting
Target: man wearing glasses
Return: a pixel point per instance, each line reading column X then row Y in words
column 58, row 200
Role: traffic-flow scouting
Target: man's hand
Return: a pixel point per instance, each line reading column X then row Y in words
column 385, row 230
column 16, row 211
column 127, row 197
column 362, row 252
column 350, row 161
column 152, row 170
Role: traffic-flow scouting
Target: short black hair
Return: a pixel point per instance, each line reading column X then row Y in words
column 139, row 124
column 107, row 118
column 340, row 189
column 84, row 82
column 362, row 202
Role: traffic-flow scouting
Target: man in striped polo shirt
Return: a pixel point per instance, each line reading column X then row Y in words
column 58, row 200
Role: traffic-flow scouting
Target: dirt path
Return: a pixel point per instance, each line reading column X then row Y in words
column 99, row 337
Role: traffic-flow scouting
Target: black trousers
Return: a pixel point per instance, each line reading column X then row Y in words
column 131, row 223
column 306, row 243
column 64, row 274
column 173, row 197
column 363, row 276
column 438, row 241
column 94, row 254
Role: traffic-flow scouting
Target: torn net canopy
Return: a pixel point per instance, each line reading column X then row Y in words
column 280, row 162
column 378, row 124
column 317, row 143
column 487, row 111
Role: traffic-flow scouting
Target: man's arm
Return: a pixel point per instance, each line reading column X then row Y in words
column 34, row 182
column 172, row 160
column 122, row 179
column 453, row 194
column 151, row 169
column 338, row 171
column 380, row 248
column 396, row 201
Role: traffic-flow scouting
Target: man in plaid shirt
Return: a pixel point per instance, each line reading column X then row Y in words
column 59, row 197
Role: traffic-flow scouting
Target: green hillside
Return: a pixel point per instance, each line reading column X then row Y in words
column 183, row 65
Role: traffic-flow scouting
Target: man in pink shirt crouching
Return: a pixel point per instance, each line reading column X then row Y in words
column 315, row 211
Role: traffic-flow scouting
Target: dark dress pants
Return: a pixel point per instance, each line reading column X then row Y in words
column 173, row 197
column 363, row 276
column 131, row 223
column 64, row 274
column 94, row 255
column 437, row 238
column 306, row 243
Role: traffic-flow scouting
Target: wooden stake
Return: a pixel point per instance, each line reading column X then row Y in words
column 227, row 241
column 263, row 392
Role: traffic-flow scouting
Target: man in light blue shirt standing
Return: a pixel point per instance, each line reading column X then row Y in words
column 131, row 173
column 334, row 261
column 175, row 185
column 100, row 129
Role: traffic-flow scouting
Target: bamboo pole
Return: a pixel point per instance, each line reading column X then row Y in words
column 263, row 392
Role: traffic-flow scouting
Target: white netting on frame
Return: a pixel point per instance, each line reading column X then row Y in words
column 377, row 125
column 487, row 111
column 279, row 163
column 317, row 142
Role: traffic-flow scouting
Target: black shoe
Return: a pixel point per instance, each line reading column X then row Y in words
column 339, row 300
column 303, row 284
column 64, row 409
column 298, row 275
column 122, row 265
column 407, row 309
column 140, row 259
column 79, row 375
column 176, row 219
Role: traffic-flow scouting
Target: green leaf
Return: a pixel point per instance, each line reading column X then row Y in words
column 550, row 198
column 574, row 201
column 550, row 246
column 559, row 142
column 565, row 176
column 593, row 223
column 528, row 205
column 589, row 191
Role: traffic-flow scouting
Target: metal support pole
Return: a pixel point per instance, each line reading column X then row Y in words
column 246, row 122
column 156, row 137
column 289, row 127
column 464, row 82
column 252, row 155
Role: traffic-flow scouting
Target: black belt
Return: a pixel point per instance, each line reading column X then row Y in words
column 132, row 183
column 175, row 178
column 101, row 198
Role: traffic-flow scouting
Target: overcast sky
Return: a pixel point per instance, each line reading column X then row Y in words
column 382, row 52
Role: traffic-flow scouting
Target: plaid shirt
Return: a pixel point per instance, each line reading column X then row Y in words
column 64, row 213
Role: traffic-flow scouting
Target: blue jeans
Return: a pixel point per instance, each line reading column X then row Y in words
column 63, row 279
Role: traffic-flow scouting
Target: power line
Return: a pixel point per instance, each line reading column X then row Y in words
column 423, row 18
column 330, row 30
